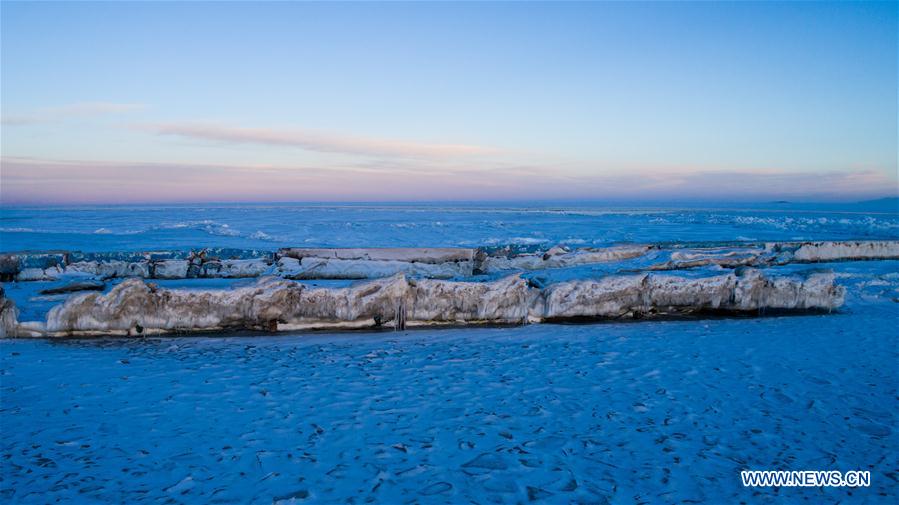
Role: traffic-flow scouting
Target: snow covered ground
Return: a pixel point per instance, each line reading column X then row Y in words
column 650, row 412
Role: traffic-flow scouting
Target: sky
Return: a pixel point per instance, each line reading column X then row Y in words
column 181, row 102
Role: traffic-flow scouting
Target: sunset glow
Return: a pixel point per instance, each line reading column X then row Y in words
column 157, row 102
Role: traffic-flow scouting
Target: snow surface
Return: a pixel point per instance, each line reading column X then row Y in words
column 650, row 412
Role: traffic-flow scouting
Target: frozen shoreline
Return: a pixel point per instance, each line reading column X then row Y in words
column 422, row 286
column 662, row 410
column 438, row 263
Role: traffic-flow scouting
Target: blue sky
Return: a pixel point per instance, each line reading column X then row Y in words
column 105, row 102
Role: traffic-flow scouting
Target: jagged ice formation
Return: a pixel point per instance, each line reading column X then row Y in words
column 137, row 308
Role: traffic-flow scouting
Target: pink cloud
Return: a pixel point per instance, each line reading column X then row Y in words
column 26, row 180
column 318, row 141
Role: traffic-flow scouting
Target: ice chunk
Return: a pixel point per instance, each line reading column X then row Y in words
column 134, row 307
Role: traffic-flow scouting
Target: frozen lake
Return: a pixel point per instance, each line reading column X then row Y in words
column 270, row 226
column 648, row 412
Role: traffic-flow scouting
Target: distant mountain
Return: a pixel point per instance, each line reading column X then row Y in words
column 887, row 204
